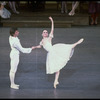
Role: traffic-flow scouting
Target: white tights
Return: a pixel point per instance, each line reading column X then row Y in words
column 14, row 64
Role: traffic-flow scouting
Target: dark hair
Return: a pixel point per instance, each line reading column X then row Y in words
column 13, row 30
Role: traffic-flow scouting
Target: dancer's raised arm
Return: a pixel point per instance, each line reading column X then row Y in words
column 52, row 25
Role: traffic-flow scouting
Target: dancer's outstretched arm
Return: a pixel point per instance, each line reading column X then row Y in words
column 19, row 47
column 52, row 25
column 39, row 46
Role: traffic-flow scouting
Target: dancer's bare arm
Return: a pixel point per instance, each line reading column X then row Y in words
column 33, row 47
column 39, row 46
column 52, row 25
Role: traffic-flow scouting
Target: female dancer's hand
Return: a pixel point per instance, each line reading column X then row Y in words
column 38, row 46
column 50, row 18
column 33, row 47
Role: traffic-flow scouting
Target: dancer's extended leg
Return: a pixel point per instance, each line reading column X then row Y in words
column 80, row 41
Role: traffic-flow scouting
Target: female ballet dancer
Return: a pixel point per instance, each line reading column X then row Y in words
column 58, row 54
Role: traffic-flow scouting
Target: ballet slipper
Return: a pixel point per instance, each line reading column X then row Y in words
column 17, row 85
column 54, row 85
column 14, row 86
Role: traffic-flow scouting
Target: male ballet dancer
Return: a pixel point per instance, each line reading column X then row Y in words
column 16, row 48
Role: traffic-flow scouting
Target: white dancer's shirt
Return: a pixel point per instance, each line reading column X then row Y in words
column 16, row 47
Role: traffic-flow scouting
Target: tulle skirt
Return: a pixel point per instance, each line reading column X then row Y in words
column 58, row 57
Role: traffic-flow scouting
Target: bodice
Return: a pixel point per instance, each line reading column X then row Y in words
column 46, row 43
column 47, row 46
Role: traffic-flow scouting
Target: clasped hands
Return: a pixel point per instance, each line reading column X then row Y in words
column 34, row 47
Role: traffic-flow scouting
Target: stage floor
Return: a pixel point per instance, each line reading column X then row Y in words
column 80, row 78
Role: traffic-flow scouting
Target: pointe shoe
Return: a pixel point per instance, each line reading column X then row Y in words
column 56, row 83
column 80, row 41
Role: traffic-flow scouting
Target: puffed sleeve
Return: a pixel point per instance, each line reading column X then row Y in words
column 41, row 43
column 19, row 47
column 51, row 35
